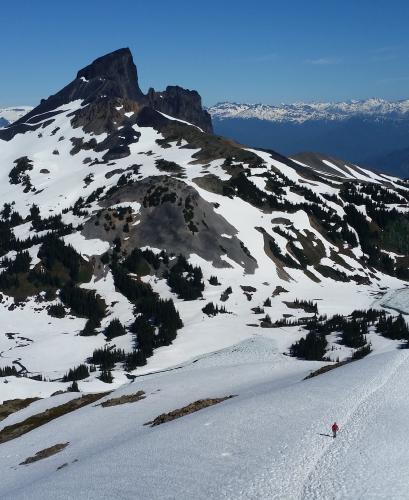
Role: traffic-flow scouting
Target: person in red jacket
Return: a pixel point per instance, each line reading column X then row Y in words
column 335, row 429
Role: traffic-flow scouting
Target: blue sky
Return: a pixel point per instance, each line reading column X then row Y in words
column 244, row 51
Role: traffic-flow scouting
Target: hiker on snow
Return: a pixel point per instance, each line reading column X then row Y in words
column 335, row 429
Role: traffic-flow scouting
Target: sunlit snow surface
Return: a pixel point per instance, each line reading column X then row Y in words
column 270, row 440
column 51, row 346
column 397, row 300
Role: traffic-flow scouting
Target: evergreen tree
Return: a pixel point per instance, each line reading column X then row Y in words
column 90, row 328
column 361, row 352
column 106, row 376
column 83, row 302
column 312, row 347
column 35, row 213
column 6, row 212
column 56, row 310
column 393, row 328
column 114, row 329
column 133, row 360
column 21, row 263
column 55, row 250
column 185, row 280
column 8, row 371
column 132, row 289
column 211, row 310
column 145, row 336
column 77, row 373
column 353, row 333
column 73, row 387
column 106, row 358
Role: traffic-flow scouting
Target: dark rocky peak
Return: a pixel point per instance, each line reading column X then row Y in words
column 112, row 75
column 181, row 103
column 104, row 84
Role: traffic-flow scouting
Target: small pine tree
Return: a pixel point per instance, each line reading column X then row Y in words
column 106, row 358
column 210, row 309
column 267, row 302
column 78, row 373
column 145, row 335
column 225, row 295
column 90, row 328
column 57, row 311
column 8, row 371
column 73, row 387
column 106, row 376
column 312, row 347
column 353, row 333
column 133, row 360
column 393, row 328
column 114, row 329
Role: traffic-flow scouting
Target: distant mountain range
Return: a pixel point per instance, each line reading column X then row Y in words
column 371, row 132
column 301, row 112
column 10, row 115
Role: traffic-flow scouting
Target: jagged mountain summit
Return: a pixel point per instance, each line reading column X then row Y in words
column 201, row 282
column 109, row 78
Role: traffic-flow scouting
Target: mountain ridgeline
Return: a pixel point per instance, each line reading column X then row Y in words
column 371, row 132
column 119, row 208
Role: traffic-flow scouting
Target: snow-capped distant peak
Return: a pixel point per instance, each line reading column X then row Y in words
column 301, row 112
column 10, row 115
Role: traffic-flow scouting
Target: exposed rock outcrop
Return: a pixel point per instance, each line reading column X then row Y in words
column 173, row 216
column 181, row 103
column 103, row 85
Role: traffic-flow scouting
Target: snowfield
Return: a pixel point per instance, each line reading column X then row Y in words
column 278, row 245
column 51, row 346
column 270, row 441
column 397, row 300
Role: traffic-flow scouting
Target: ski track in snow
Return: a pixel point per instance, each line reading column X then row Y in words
column 327, row 478
column 313, row 470
column 266, row 443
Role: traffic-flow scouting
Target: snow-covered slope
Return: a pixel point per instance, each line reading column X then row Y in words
column 300, row 112
column 109, row 175
column 136, row 246
column 272, row 440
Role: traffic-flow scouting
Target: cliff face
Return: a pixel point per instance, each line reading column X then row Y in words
column 112, row 75
column 103, row 84
column 181, row 103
